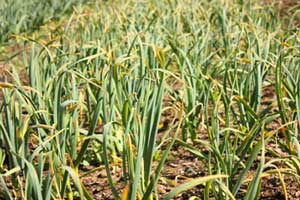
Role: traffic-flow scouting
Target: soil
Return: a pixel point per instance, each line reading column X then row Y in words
column 182, row 165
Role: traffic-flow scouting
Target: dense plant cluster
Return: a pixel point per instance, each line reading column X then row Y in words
column 18, row 16
column 226, row 72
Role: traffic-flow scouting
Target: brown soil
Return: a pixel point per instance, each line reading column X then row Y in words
column 182, row 165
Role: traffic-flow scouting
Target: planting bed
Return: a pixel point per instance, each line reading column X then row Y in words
column 150, row 100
